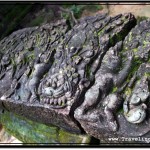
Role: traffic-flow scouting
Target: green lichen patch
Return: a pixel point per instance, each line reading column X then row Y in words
column 141, row 18
column 147, row 74
column 128, row 91
column 120, row 111
column 29, row 58
column 145, row 43
column 70, row 138
column 88, row 71
column 135, row 50
column 119, row 37
column 100, row 32
column 124, row 49
column 114, row 89
column 29, row 131
column 135, row 65
column 147, row 34
column 130, row 37
column 26, row 130
column 13, row 61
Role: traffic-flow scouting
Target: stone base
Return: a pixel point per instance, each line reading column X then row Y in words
column 34, row 133
column 43, row 114
column 127, row 132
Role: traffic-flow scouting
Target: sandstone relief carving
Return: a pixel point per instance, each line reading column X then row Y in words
column 92, row 78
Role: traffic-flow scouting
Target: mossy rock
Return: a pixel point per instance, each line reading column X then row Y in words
column 28, row 131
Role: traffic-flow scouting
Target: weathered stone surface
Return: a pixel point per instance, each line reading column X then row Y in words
column 24, row 49
column 49, row 73
column 103, row 121
column 93, row 77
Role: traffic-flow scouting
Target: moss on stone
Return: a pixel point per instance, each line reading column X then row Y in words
column 100, row 32
column 88, row 71
column 141, row 18
column 29, row 131
column 120, row 111
column 147, row 34
column 130, row 36
column 119, row 37
column 38, row 40
column 13, row 62
column 29, row 58
column 70, row 138
column 147, row 74
column 128, row 91
column 135, row 50
column 111, row 40
column 114, row 89
column 135, row 65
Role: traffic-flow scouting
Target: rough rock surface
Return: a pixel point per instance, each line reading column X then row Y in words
column 133, row 120
column 93, row 77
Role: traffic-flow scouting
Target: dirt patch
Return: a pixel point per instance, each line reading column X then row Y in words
column 137, row 10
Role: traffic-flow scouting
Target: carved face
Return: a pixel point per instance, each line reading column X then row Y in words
column 58, row 89
column 59, row 86
column 72, row 58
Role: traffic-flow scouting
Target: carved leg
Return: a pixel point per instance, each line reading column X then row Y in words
column 33, row 84
column 112, row 124
column 112, row 103
column 91, row 99
column 87, row 111
column 33, row 97
column 40, row 70
column 120, row 78
column 90, row 117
